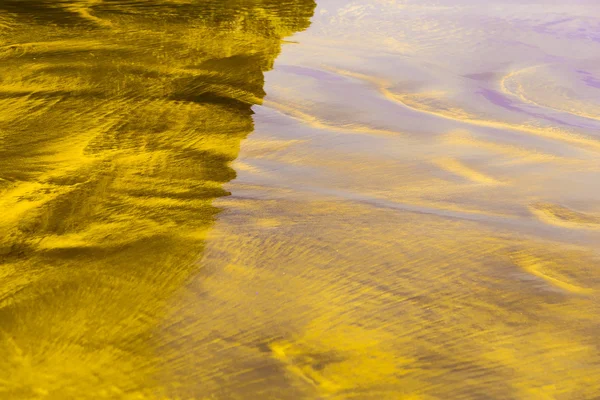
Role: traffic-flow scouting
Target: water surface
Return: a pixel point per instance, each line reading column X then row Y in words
column 371, row 199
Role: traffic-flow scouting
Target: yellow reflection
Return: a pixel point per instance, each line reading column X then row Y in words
column 118, row 120
column 118, row 123
column 433, row 103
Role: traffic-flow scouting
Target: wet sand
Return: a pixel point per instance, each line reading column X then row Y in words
column 268, row 200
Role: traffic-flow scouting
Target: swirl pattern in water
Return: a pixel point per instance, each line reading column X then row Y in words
column 405, row 206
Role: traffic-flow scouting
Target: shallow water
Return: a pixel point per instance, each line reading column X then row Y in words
column 277, row 199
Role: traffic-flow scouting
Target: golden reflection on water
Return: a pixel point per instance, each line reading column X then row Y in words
column 118, row 121
column 383, row 240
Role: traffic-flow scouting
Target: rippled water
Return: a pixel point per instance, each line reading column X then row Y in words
column 277, row 199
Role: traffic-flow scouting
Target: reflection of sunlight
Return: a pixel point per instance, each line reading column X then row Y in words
column 555, row 98
column 423, row 103
column 403, row 205
column 116, row 138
